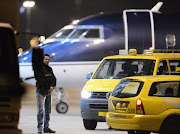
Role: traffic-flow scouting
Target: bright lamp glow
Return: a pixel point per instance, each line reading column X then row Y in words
column 151, row 48
column 75, row 22
column 28, row 3
column 42, row 38
column 85, row 94
column 139, row 102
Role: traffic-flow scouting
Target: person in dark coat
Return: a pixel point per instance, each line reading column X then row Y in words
column 46, row 82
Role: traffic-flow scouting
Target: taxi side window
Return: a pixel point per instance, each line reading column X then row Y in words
column 165, row 89
column 174, row 65
column 163, row 68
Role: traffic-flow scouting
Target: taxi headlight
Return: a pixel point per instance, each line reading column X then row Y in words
column 86, row 94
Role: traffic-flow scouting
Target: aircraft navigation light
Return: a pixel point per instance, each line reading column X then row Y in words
column 75, row 22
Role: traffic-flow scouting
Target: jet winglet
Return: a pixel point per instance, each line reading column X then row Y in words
column 157, row 7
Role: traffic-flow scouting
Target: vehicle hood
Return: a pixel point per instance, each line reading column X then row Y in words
column 101, row 85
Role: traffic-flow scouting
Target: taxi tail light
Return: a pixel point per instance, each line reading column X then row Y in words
column 139, row 107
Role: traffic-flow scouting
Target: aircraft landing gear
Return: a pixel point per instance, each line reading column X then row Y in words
column 62, row 107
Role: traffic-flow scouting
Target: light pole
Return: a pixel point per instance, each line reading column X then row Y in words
column 28, row 5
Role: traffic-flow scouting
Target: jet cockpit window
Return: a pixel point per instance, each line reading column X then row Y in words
column 62, row 33
column 85, row 33
column 119, row 68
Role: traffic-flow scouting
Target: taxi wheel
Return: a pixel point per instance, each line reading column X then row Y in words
column 138, row 132
column 90, row 124
column 170, row 125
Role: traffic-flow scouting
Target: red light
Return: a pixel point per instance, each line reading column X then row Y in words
column 139, row 102
column 151, row 48
column 139, row 107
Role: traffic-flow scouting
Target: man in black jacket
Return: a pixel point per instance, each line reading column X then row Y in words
column 46, row 81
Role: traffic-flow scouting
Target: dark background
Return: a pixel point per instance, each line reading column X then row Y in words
column 48, row 16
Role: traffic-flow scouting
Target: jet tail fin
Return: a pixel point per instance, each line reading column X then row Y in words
column 157, row 7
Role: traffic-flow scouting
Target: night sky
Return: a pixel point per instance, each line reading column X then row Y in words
column 48, row 16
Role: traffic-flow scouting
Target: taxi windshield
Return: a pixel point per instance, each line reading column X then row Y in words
column 120, row 68
column 127, row 88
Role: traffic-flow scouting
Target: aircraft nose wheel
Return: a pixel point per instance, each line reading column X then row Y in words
column 62, row 107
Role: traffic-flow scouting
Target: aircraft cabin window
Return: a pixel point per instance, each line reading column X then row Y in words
column 86, row 33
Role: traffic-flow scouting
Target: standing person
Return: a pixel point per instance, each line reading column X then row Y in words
column 46, row 81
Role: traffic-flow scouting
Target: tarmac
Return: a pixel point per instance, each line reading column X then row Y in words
column 69, row 123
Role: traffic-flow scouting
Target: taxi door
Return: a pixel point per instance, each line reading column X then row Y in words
column 162, row 99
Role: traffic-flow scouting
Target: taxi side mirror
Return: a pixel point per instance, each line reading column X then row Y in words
column 88, row 76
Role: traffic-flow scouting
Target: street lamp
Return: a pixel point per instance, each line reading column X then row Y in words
column 28, row 5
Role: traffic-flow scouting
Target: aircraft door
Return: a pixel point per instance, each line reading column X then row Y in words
column 139, row 30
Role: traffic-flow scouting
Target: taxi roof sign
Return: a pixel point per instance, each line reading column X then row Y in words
column 123, row 52
column 148, row 52
column 132, row 51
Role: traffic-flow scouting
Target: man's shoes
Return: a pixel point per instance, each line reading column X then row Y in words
column 39, row 130
column 48, row 130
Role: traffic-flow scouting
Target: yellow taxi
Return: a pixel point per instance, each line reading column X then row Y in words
column 145, row 104
column 94, row 104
